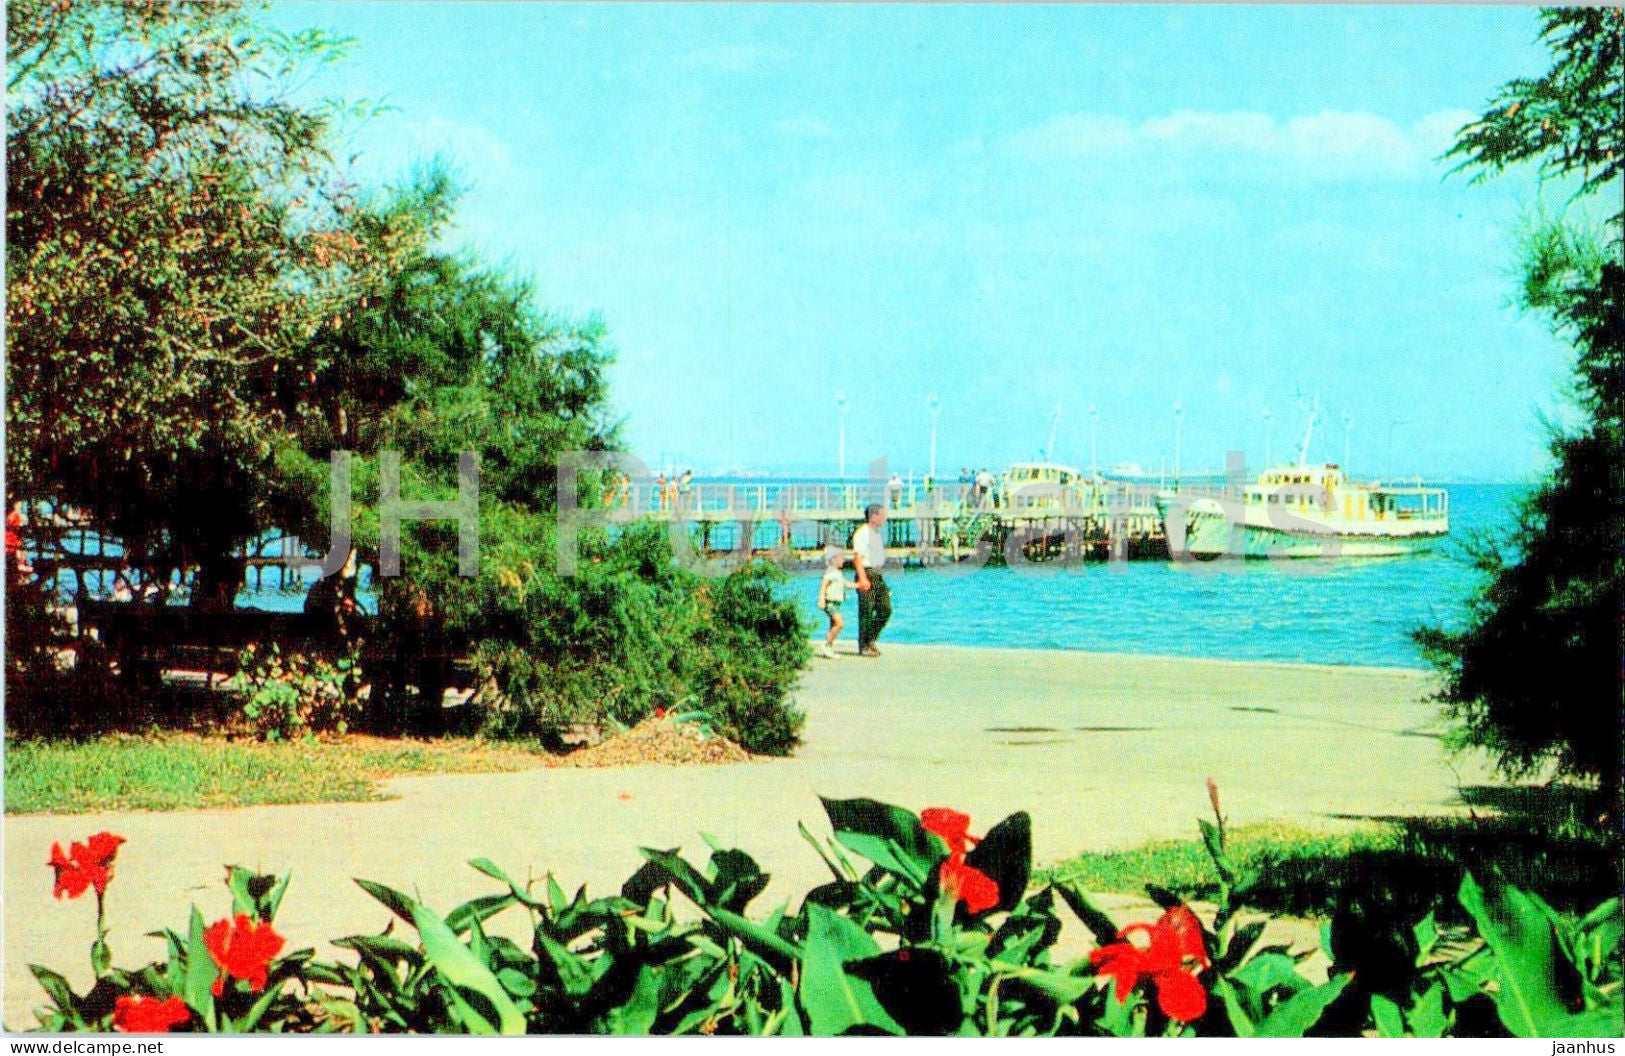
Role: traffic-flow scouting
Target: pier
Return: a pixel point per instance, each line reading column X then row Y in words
column 926, row 523
column 791, row 521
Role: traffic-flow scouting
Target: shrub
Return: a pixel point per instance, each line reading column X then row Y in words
column 282, row 696
column 630, row 632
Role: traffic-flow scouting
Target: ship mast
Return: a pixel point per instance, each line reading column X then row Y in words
column 1308, row 431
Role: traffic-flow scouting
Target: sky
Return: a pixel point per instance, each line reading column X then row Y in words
column 1024, row 211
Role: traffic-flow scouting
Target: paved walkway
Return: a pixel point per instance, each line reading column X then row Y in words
column 1104, row 751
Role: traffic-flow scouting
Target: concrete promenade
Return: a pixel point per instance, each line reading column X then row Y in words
column 1104, row 751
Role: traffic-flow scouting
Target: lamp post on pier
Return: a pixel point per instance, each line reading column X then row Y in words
column 1393, row 424
column 934, row 405
column 840, row 406
column 1094, row 421
column 1179, row 425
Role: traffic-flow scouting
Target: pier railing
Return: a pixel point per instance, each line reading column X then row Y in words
column 847, row 501
column 795, row 515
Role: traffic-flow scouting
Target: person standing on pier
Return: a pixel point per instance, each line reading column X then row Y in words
column 868, row 557
column 984, row 487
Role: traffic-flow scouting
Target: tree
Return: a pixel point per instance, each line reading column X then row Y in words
column 1534, row 675
column 453, row 357
column 176, row 236
column 201, row 310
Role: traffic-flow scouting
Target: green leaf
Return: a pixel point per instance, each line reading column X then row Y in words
column 1028, row 931
column 637, row 1015
column 575, row 976
column 1594, row 1023
column 1268, row 971
column 1093, row 918
column 253, row 894
column 791, row 1026
column 755, row 936
column 1241, row 1021
column 476, row 911
column 1427, row 1016
column 1426, row 934
column 1608, row 912
column 459, row 967
column 918, row 988
column 257, row 1010
column 1242, row 940
column 1006, row 855
column 56, row 987
column 347, row 1011
column 835, row 1001
column 817, row 845
column 273, row 899
column 1215, row 850
column 1525, row 946
column 491, row 869
column 397, row 903
column 201, row 973
column 737, row 879
column 1058, row 986
column 1163, row 897
column 516, row 982
column 889, row 836
column 1294, row 1016
column 1385, row 1014
column 660, row 869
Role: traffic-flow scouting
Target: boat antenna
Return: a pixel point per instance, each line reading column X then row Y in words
column 1054, row 425
column 1308, row 431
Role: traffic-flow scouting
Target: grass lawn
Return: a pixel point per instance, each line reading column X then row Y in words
column 1183, row 866
column 1412, row 864
column 178, row 771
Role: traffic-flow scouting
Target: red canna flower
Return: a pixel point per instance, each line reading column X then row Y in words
column 1173, row 956
column 134, row 1014
column 964, row 883
column 85, row 866
column 243, row 949
column 951, row 825
column 968, row 884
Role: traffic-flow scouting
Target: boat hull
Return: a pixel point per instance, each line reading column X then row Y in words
column 1210, row 533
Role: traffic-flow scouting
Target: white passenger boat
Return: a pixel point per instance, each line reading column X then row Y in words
column 1305, row 510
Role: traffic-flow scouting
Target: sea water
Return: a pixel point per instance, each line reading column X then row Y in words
column 1352, row 611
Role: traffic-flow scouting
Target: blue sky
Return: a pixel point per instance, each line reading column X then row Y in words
column 1012, row 208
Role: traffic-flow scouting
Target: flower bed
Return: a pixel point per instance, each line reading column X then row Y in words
column 923, row 929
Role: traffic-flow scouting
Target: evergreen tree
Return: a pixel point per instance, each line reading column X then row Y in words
column 1534, row 675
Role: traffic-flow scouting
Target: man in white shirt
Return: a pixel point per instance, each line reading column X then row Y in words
column 868, row 557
